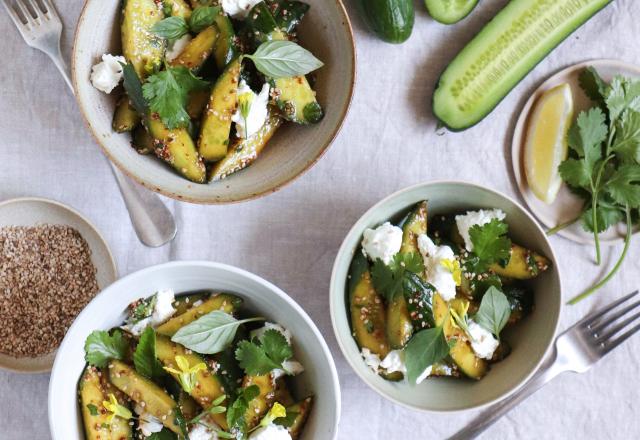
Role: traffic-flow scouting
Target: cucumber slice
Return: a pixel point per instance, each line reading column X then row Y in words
column 449, row 11
column 504, row 51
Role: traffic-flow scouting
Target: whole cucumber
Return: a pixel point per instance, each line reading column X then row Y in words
column 391, row 20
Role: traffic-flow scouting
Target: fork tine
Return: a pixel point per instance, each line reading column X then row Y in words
column 608, row 335
column 593, row 316
column 17, row 20
column 35, row 8
column 609, row 320
column 25, row 12
column 610, row 345
column 51, row 10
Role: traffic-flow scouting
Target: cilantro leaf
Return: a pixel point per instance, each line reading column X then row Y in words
column 144, row 358
column 100, row 347
column 425, row 348
column 171, row 28
column 627, row 141
column 275, row 346
column 202, row 17
column 624, row 186
column 576, row 173
column 237, row 410
column 253, row 359
column 623, row 93
column 587, row 135
column 165, row 434
column 490, row 244
column 606, row 216
column 388, row 279
column 167, row 93
column 593, row 85
column 494, row 311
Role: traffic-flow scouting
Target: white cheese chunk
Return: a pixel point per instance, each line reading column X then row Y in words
column 106, row 75
column 382, row 243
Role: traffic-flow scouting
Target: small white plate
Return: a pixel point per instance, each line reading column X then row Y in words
column 566, row 205
column 35, row 211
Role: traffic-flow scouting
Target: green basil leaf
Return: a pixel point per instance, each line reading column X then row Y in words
column 144, row 358
column 171, row 28
column 211, row 333
column 202, row 17
column 494, row 311
column 284, row 59
column 133, row 86
column 424, row 349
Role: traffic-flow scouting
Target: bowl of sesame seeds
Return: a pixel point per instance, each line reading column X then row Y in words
column 53, row 261
column 479, row 371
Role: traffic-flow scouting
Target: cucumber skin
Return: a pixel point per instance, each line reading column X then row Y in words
column 458, row 128
column 432, row 9
column 391, row 20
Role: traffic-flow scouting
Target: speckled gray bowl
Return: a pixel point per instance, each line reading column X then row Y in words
column 326, row 31
column 530, row 340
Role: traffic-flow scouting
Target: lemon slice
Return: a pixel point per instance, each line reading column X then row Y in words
column 546, row 143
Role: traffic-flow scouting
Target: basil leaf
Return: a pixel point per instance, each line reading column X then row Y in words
column 144, row 358
column 284, row 59
column 202, row 17
column 424, row 349
column 494, row 311
column 133, row 86
column 210, row 334
column 171, row 28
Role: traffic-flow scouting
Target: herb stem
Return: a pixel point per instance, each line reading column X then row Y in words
column 562, row 226
column 627, row 242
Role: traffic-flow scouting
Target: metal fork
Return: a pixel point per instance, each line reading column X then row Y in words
column 41, row 28
column 576, row 350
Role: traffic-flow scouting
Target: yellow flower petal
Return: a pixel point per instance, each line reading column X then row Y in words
column 183, row 363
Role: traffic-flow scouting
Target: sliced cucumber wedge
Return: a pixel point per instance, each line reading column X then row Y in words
column 449, row 11
column 504, row 51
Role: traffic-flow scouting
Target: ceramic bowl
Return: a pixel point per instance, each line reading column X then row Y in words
column 32, row 211
column 107, row 310
column 326, row 31
column 530, row 340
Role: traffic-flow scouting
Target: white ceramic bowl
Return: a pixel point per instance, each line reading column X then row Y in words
column 530, row 340
column 107, row 310
column 325, row 31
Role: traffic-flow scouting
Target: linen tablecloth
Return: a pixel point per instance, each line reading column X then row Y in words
column 388, row 142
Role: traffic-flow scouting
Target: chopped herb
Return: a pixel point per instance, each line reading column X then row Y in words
column 100, row 347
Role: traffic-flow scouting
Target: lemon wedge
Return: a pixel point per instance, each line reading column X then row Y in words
column 546, row 142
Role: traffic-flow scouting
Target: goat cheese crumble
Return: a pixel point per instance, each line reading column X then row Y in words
column 442, row 270
column 395, row 362
column 177, row 47
column 382, row 243
column 482, row 341
column 106, row 75
column 239, row 9
column 147, row 424
column 252, row 110
column 270, row 432
column 201, row 432
column 476, row 218
column 162, row 310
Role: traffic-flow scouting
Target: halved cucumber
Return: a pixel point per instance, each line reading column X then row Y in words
column 449, row 11
column 504, row 51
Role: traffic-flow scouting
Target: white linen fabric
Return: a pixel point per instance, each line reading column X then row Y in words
column 388, row 142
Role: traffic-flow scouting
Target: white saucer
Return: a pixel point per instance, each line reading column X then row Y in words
column 34, row 211
column 566, row 205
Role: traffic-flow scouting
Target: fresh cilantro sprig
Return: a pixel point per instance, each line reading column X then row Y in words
column 490, row 246
column 604, row 163
column 261, row 356
column 100, row 347
column 167, row 93
column 237, row 410
column 388, row 279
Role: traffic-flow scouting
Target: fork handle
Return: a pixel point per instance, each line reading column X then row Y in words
column 151, row 219
column 488, row 417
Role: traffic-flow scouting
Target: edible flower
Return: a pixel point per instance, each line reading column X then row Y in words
column 115, row 409
column 453, row 266
column 186, row 374
column 276, row 411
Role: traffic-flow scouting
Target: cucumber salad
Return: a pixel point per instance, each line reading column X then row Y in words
column 208, row 83
column 191, row 367
column 435, row 301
